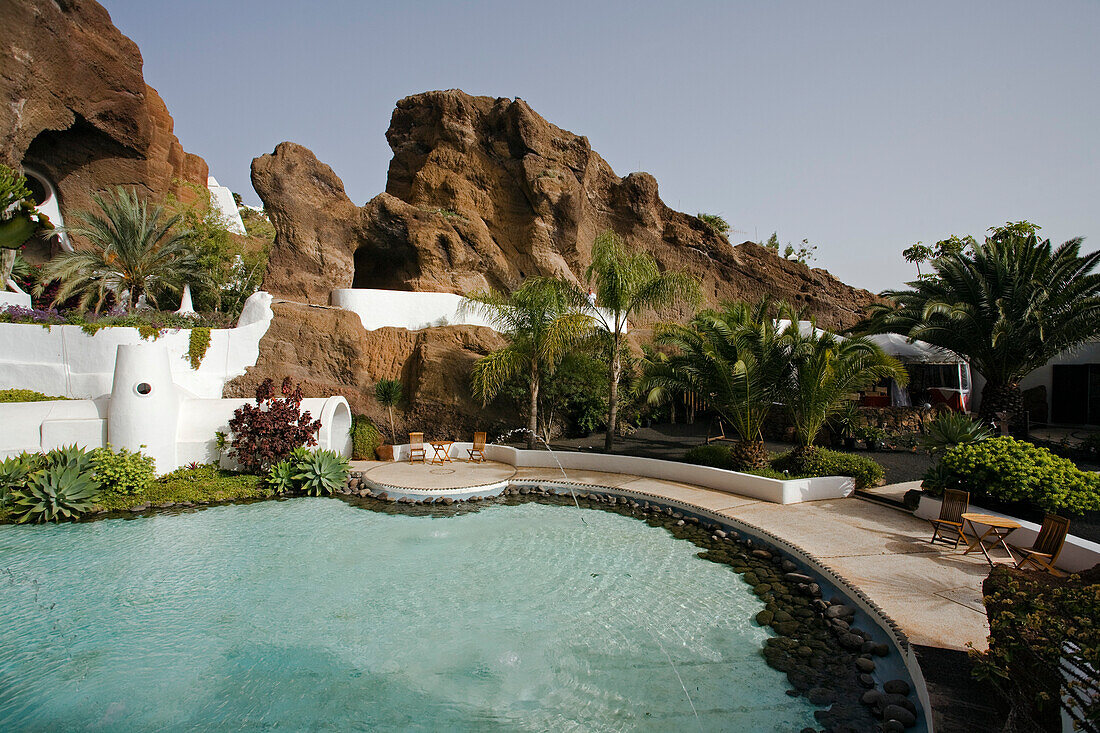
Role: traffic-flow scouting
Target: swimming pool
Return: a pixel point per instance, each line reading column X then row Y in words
column 318, row 614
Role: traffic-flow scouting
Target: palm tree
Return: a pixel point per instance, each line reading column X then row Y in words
column 543, row 319
column 388, row 394
column 825, row 370
column 627, row 284
column 736, row 359
column 133, row 252
column 1008, row 305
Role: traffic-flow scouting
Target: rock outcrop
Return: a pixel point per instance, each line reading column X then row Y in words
column 77, row 108
column 329, row 352
column 485, row 192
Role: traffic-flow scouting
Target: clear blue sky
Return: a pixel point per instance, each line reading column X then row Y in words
column 862, row 126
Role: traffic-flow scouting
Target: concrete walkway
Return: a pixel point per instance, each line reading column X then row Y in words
column 932, row 592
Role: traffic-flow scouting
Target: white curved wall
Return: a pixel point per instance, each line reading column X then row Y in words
column 8, row 297
column 406, row 309
column 65, row 361
column 790, row 491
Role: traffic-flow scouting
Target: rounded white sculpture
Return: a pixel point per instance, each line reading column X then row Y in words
column 145, row 403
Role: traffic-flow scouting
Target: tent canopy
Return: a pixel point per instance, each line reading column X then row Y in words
column 915, row 352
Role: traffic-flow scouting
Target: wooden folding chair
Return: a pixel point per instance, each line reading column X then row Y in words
column 416, row 447
column 1044, row 552
column 950, row 519
column 478, row 450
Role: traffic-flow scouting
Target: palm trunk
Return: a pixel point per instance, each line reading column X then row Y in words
column 393, row 433
column 7, row 262
column 613, row 395
column 533, row 417
column 1005, row 398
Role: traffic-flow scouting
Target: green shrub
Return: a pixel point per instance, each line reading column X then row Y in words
column 56, row 492
column 123, row 472
column 1017, row 471
column 25, row 395
column 1036, row 628
column 816, row 461
column 198, row 343
column 365, row 438
column 323, row 472
column 713, row 455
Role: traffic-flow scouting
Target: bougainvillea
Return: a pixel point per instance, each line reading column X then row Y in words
column 266, row 433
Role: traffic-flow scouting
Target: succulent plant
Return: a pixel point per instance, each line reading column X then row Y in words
column 70, row 456
column 280, row 477
column 323, row 472
column 14, row 471
column 55, row 493
column 953, row 428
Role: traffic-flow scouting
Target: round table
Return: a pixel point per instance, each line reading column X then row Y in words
column 998, row 529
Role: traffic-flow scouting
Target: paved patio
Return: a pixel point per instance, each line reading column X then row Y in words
column 933, row 592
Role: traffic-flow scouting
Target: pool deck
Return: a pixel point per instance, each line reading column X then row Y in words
column 932, row 592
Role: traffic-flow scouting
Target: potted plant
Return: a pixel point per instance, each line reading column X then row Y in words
column 846, row 422
column 388, row 393
column 872, row 436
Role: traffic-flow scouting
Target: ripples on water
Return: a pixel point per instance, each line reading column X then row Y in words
column 312, row 614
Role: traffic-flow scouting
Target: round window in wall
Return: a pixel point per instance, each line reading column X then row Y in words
column 143, row 388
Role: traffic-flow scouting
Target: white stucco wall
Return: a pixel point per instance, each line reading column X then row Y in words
column 406, row 309
column 1086, row 353
column 791, row 491
column 7, row 297
column 223, row 198
column 65, row 361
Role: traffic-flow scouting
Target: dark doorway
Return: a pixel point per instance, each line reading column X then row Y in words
column 1075, row 394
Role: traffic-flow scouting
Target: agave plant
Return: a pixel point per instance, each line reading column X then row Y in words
column 14, row 472
column 953, row 428
column 70, row 456
column 55, row 493
column 280, row 477
column 323, row 472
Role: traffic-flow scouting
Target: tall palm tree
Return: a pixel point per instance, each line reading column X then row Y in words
column 1008, row 305
column 133, row 252
column 825, row 370
column 543, row 320
column 626, row 285
column 736, row 359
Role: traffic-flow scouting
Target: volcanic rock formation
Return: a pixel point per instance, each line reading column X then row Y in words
column 485, row 192
column 329, row 352
column 77, row 108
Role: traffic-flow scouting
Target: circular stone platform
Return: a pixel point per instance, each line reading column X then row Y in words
column 450, row 476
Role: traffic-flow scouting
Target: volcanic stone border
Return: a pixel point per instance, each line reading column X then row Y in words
column 827, row 658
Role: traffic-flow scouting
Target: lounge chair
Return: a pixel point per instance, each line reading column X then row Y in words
column 1044, row 552
column 950, row 519
column 416, row 447
column 477, row 453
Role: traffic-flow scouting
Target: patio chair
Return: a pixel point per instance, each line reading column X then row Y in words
column 478, row 450
column 416, row 447
column 1044, row 552
column 950, row 519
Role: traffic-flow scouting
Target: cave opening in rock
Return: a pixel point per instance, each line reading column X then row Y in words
column 385, row 269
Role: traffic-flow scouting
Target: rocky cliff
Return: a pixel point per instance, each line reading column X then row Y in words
column 77, row 108
column 484, row 192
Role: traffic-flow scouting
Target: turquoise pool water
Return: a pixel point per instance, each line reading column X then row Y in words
column 313, row 614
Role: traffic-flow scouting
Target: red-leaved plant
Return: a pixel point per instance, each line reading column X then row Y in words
column 266, row 433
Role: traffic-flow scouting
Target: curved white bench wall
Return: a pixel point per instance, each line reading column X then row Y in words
column 65, row 361
column 790, row 491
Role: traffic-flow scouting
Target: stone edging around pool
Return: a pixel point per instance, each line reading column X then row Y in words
column 683, row 512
